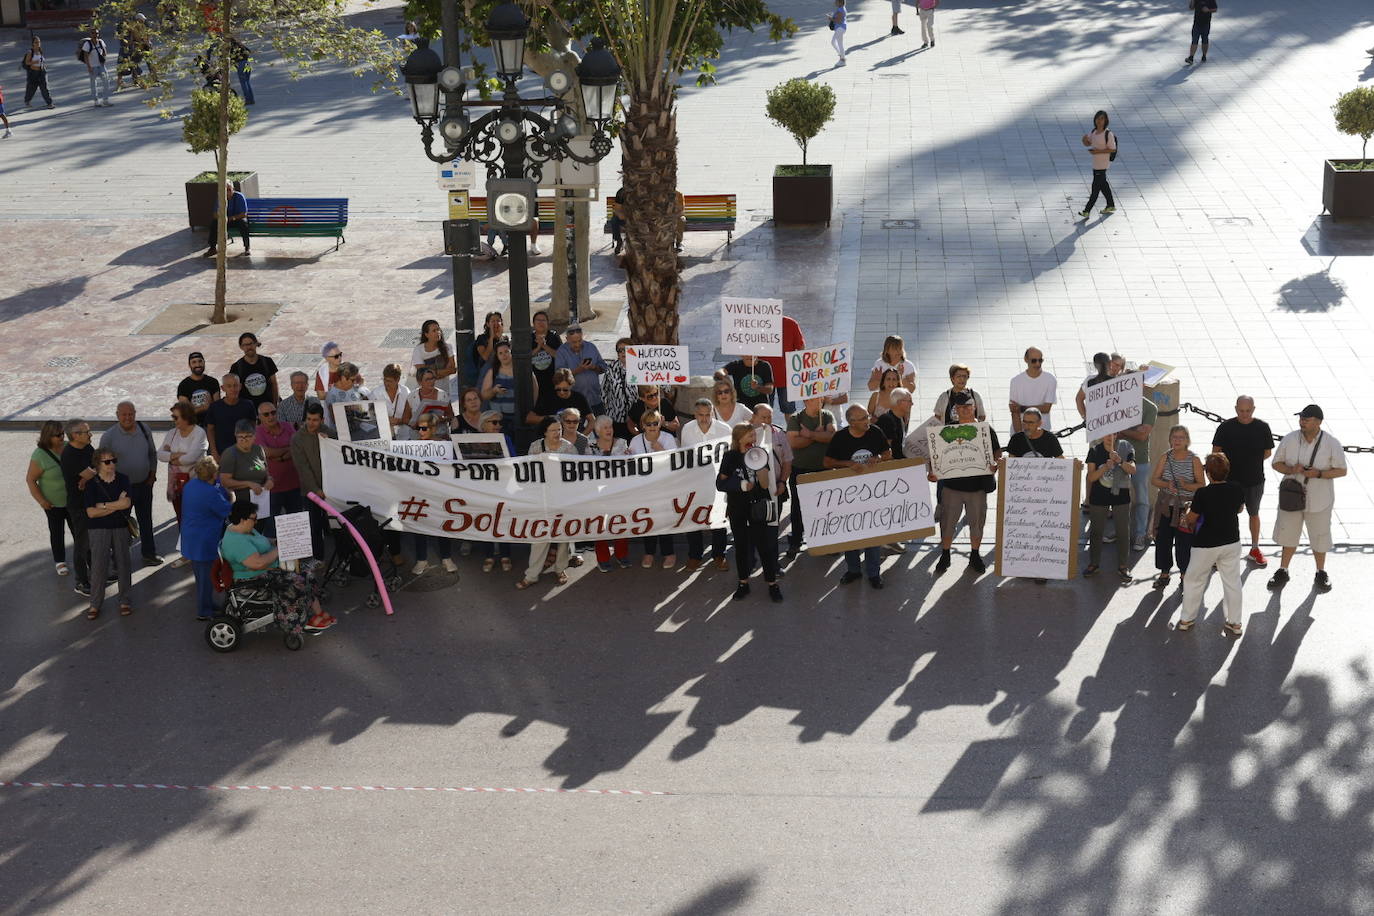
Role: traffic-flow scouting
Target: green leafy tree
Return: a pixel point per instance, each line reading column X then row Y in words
column 1355, row 116
column 190, row 43
column 656, row 42
column 802, row 108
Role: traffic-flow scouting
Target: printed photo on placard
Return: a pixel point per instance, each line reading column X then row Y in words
column 363, row 423
column 480, row 446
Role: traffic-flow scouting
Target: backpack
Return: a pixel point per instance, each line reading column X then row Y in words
column 1111, row 157
column 81, row 50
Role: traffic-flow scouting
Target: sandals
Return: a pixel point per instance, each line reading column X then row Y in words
column 92, row 613
column 1231, row 629
column 125, row 610
column 505, row 564
column 1183, row 626
column 523, row 584
column 1091, row 570
column 1162, row 580
column 562, row 578
column 1125, row 574
column 488, row 564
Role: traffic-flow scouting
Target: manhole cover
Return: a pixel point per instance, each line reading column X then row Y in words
column 298, row 360
column 401, row 339
column 760, row 218
column 63, row 362
column 901, row 224
column 1237, row 221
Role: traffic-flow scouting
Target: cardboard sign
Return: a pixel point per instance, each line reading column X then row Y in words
column 293, row 536
column 846, row 509
column 1115, row 404
column 960, row 450
column 1037, row 518
column 363, row 423
column 751, row 327
column 651, row 364
column 441, row 449
column 480, row 446
column 818, row 372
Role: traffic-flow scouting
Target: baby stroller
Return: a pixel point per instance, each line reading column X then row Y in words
column 257, row 604
column 348, row 560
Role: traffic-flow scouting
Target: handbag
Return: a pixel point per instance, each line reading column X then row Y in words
column 1292, row 491
column 831, row 24
column 175, row 481
column 1177, row 505
column 132, row 523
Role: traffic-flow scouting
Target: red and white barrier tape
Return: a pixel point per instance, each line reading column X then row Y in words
column 257, row 788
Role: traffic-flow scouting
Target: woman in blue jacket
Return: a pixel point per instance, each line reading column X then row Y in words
column 204, row 509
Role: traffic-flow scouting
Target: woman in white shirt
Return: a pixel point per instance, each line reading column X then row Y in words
column 436, row 353
column 654, row 438
column 704, row 428
column 182, row 447
column 396, row 397
column 728, row 410
column 894, row 357
column 551, row 442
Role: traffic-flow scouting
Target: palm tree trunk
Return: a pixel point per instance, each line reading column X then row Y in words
column 649, row 162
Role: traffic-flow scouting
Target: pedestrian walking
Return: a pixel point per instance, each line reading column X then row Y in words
column 1214, row 517
column 1202, row 27
column 896, row 10
column 1177, row 476
column 1033, row 388
column 107, row 503
column 1109, row 466
column 243, row 66
column 1247, row 443
column 36, row 74
column 1101, row 143
column 92, row 53
column 4, row 119
column 1309, row 459
column 925, row 10
column 839, row 23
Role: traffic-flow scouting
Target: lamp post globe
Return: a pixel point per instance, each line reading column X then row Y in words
column 421, row 71
column 598, row 76
column 508, row 27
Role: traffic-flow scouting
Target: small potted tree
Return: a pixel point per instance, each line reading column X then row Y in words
column 1348, row 184
column 802, row 193
column 200, row 130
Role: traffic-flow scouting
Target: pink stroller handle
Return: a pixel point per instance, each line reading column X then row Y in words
column 362, row 544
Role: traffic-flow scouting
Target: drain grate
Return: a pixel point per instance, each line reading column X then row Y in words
column 760, row 218
column 63, row 362
column 401, row 339
column 298, row 360
column 901, row 224
column 1234, row 221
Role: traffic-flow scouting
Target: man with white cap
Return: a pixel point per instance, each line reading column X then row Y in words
column 1309, row 459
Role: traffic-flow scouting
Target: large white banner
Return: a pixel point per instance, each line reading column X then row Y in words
column 848, row 510
column 1116, row 404
column 536, row 498
column 1037, row 520
column 751, row 327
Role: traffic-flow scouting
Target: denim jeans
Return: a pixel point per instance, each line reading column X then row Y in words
column 205, row 588
column 244, row 75
column 1140, row 499
column 872, row 561
column 98, row 73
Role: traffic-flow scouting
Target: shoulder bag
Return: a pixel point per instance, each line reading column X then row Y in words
column 1292, row 491
column 1175, row 505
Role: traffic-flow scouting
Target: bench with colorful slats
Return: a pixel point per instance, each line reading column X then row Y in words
column 299, row 217
column 705, row 213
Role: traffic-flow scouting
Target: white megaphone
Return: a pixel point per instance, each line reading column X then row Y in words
column 756, row 459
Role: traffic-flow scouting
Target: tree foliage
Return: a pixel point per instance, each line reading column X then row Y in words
column 200, row 128
column 1354, row 112
column 802, row 108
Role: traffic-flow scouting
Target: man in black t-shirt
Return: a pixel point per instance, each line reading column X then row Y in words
column 1247, row 443
column 893, row 424
column 966, row 496
column 198, row 389
column 76, row 471
column 257, row 373
column 859, row 446
column 753, row 380
column 1032, row 440
column 650, row 398
column 1202, row 26
column 225, row 414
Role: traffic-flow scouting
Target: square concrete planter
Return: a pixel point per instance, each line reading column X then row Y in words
column 803, row 194
column 200, row 196
column 1348, row 193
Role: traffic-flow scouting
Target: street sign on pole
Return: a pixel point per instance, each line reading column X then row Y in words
column 457, row 175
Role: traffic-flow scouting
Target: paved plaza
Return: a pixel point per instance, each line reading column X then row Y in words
column 951, row 744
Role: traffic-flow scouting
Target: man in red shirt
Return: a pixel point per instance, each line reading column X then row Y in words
column 792, row 339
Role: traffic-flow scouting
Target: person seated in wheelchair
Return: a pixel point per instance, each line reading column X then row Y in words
column 253, row 559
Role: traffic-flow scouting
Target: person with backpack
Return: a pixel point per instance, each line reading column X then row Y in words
column 36, row 74
column 243, row 66
column 92, row 52
column 1101, row 143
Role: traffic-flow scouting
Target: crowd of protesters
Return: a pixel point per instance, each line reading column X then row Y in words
column 247, row 436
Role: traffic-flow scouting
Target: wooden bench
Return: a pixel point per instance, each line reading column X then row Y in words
column 704, row 213
column 477, row 207
column 298, row 217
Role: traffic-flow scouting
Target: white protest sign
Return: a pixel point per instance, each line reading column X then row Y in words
column 293, row 536
column 651, row 364
column 363, row 423
column 751, row 327
column 547, row 497
column 262, row 502
column 849, row 510
column 423, row 448
column 1115, row 404
column 818, row 372
column 1037, row 518
column 960, row 450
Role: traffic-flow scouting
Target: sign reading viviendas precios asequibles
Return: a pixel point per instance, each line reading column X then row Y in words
column 535, row 498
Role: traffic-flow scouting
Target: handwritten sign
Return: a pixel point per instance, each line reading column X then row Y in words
column 1115, row 404
column 441, row 449
column 1037, row 517
column 848, row 510
column 293, row 536
column 751, row 327
column 648, row 364
column 818, row 372
column 960, row 450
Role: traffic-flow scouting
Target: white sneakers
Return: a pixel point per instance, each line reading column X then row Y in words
column 7, row 134
column 450, row 566
column 420, row 567
column 535, row 250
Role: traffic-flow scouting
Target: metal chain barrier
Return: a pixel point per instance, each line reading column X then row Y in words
column 1217, row 418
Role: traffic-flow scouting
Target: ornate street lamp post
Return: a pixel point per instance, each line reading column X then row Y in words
column 514, row 141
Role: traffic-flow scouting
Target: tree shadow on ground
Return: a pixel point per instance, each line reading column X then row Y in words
column 1316, row 292
column 36, row 299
